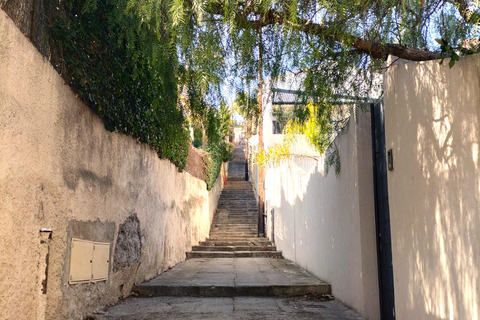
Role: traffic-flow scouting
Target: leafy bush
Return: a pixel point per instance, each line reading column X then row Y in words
column 227, row 151
column 218, row 150
column 197, row 138
column 214, row 164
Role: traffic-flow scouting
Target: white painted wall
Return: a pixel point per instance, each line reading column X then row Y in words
column 60, row 169
column 433, row 127
column 326, row 224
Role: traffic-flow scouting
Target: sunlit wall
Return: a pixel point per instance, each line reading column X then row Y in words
column 326, row 224
column 432, row 126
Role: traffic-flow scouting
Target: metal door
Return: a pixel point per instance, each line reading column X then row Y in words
column 382, row 214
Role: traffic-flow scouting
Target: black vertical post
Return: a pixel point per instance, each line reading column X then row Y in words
column 382, row 214
column 246, row 169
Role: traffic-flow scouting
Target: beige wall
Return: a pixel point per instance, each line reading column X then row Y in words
column 433, row 126
column 326, row 224
column 60, row 169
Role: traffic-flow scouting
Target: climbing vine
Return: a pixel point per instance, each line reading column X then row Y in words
column 125, row 72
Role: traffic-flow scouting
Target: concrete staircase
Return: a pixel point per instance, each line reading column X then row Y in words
column 233, row 233
column 234, row 261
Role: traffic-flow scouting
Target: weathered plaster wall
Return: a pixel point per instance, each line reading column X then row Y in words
column 326, row 224
column 60, row 169
column 433, row 127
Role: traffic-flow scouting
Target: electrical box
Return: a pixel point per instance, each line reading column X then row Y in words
column 101, row 258
column 89, row 261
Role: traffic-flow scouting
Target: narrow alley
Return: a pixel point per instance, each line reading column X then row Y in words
column 234, row 274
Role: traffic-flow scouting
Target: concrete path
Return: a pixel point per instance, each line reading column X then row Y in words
column 238, row 308
column 234, row 274
column 231, row 277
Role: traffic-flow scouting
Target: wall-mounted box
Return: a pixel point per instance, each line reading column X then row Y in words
column 101, row 259
column 89, row 261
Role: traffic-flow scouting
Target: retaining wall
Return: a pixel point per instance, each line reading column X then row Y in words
column 62, row 171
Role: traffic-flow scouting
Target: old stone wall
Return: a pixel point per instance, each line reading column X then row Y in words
column 62, row 171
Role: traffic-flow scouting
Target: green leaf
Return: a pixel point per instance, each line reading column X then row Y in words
column 451, row 63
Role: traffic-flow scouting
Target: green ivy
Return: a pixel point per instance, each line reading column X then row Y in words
column 227, row 151
column 125, row 72
column 214, row 164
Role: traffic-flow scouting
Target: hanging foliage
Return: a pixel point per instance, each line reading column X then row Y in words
column 125, row 71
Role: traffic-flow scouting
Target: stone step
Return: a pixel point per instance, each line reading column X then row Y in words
column 236, row 233
column 239, row 202
column 236, row 240
column 236, row 214
column 234, row 196
column 234, row 254
column 238, row 190
column 247, row 208
column 226, row 229
column 254, row 239
column 238, row 193
column 259, row 243
column 232, row 291
column 238, row 226
column 239, row 231
column 234, row 225
column 229, row 237
column 234, row 277
column 233, row 213
column 234, row 217
column 234, row 221
column 226, row 216
column 229, row 233
column 233, row 234
column 243, row 220
column 234, row 248
column 239, row 208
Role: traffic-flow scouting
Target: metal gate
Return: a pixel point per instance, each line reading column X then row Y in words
column 382, row 214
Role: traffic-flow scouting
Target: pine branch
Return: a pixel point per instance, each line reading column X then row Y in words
column 275, row 17
column 468, row 15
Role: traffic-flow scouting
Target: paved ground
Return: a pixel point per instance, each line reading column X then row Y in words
column 233, row 274
column 227, row 277
column 238, row 308
column 237, row 166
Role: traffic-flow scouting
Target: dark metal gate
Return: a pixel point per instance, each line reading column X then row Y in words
column 382, row 214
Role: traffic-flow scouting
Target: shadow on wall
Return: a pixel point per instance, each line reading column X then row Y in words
column 326, row 224
column 433, row 117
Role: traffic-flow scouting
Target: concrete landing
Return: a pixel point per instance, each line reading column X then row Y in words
column 237, row 308
column 229, row 277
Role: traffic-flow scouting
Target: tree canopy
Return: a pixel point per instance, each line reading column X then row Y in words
column 146, row 66
column 327, row 39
